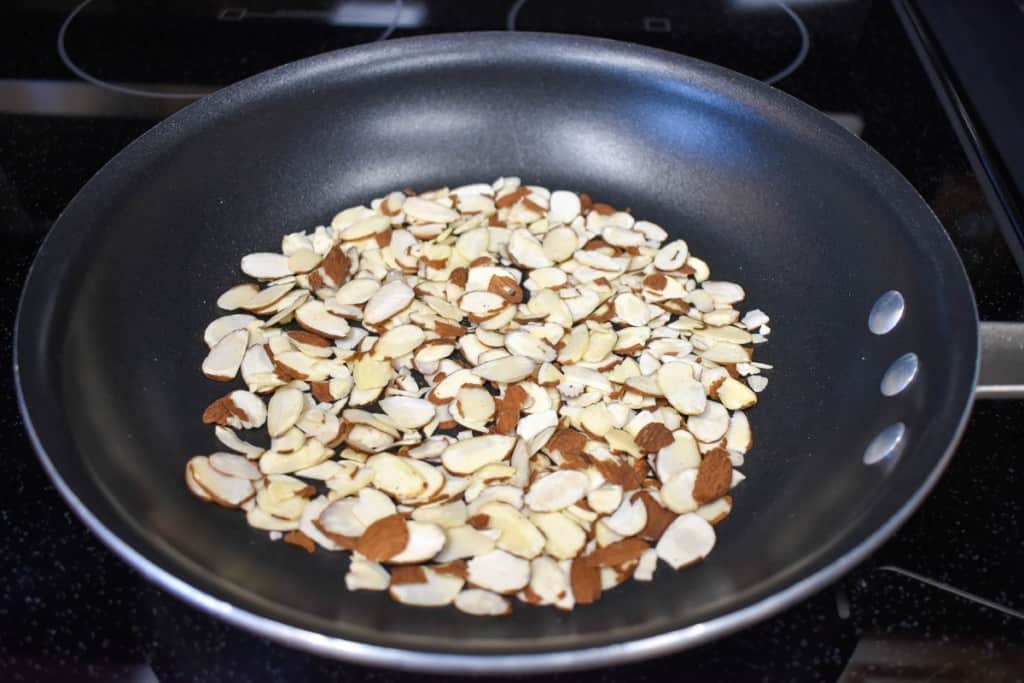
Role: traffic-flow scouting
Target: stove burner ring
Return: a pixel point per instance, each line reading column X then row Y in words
column 158, row 94
column 798, row 60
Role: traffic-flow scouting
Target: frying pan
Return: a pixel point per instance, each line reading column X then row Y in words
column 772, row 194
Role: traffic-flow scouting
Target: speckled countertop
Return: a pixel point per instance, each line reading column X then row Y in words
column 70, row 610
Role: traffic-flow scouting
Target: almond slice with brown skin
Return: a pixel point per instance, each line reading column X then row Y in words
column 315, row 317
column 225, row 358
column 425, row 541
column 225, row 325
column 427, row 211
column 235, row 466
column 223, row 489
column 435, row 590
column 393, row 297
column 283, row 410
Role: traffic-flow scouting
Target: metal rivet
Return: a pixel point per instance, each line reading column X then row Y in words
column 887, row 444
column 900, row 374
column 886, row 313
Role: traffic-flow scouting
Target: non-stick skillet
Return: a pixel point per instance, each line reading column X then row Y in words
column 824, row 233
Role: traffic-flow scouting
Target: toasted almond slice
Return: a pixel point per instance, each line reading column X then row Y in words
column 223, row 489
column 736, row 395
column 506, row 370
column 408, row 412
column 225, row 325
column 499, row 571
column 283, row 410
column 238, row 296
column 686, row 541
column 367, row 576
column 426, row 211
column 629, row 519
column 225, row 358
column 435, row 590
column 711, row 425
column 482, row 603
column 395, row 476
column 425, row 541
column 265, row 266
column 565, row 538
column 738, row 437
column 680, row 388
column 235, row 466
column 469, row 455
column 605, row 499
column 557, row 491
column 387, row 301
column 677, row 492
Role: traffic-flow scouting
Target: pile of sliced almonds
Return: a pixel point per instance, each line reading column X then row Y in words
column 487, row 391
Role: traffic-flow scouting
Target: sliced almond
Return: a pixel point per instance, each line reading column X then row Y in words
column 237, row 297
column 736, row 395
column 711, row 425
column 265, row 266
column 506, row 370
column 557, row 490
column 499, row 571
column 680, row 388
column 427, row 211
column 483, row 603
column 469, row 455
column 315, row 317
column 283, row 410
column 686, row 541
column 425, row 541
column 434, row 590
column 225, row 358
column 393, row 297
column 408, row 412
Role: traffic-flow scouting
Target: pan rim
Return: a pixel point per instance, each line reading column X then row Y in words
column 473, row 663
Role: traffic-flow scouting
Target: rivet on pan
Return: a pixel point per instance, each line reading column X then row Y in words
column 886, row 313
column 887, row 444
column 900, row 374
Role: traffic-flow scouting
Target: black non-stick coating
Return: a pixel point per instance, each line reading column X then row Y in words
column 770, row 193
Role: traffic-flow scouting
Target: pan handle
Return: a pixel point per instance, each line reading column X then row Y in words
column 1002, row 361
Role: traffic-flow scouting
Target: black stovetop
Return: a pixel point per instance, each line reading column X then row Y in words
column 941, row 600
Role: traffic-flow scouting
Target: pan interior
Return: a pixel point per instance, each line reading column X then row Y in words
column 813, row 224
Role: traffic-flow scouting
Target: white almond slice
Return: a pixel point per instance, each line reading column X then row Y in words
column 523, row 343
column 314, row 316
column 527, row 251
column 265, row 266
column 559, row 245
column 283, row 410
column 735, row 395
column 738, row 437
column 632, row 310
column 237, row 297
column 303, row 261
column 225, row 358
column 310, row 514
column 588, row 377
column 356, row 291
column 482, row 603
column 349, row 484
column 605, row 499
column 730, row 334
column 724, row 293
column 328, row 469
column 372, row 505
column 754, row 319
column 463, row 542
column 645, row 567
column 681, row 454
column 229, row 438
column 646, row 385
column 448, row 516
column 289, row 442
column 258, row 518
column 363, row 228
column 474, row 188
column 554, row 277
column 191, row 482
column 499, row 571
column 436, row 591
column 398, row 341
column 597, row 420
column 721, row 317
column 557, row 491
column 267, row 300
column 711, row 425
column 367, row 439
column 393, row 297
column 715, row 511
column 311, row 454
column 469, row 455
column 481, row 303
column 672, row 256
column 339, row 519
column 506, row 370
column 370, row 373
column 251, row 406
column 564, row 206
column 475, row 404
column 235, row 466
column 364, row 575
column 426, row 211
column 425, row 541
column 680, row 388
column 225, row 325
column 677, row 492
column 225, row 489
column 408, row 412
column 623, row 237
column 565, row 538
column 629, row 519
column 548, row 581
column 726, row 352
column 446, row 389
column 687, row 540
column 433, row 476
column 395, row 476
